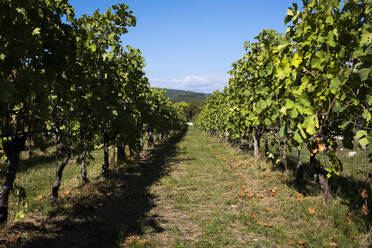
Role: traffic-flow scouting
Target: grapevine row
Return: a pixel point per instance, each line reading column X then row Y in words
column 70, row 81
column 308, row 86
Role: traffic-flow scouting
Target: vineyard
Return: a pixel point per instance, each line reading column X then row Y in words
column 92, row 156
column 303, row 90
column 69, row 83
column 191, row 191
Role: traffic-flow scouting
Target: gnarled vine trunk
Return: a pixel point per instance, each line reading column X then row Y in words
column 241, row 144
column 121, row 154
column 256, row 142
column 105, row 156
column 29, row 150
column 299, row 169
column 150, row 141
column 283, row 152
column 12, row 149
column 83, row 171
column 67, row 155
column 113, row 154
column 131, row 151
column 266, row 144
column 321, row 178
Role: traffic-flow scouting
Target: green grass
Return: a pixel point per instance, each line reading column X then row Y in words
column 38, row 174
column 186, row 193
column 204, row 192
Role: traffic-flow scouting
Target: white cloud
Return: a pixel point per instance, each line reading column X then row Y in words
column 205, row 83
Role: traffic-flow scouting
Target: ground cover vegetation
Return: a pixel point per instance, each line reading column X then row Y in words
column 190, row 191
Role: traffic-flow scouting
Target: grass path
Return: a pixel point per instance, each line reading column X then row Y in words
column 217, row 197
column 191, row 192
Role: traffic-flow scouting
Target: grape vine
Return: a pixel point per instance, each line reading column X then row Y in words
column 70, row 81
column 307, row 86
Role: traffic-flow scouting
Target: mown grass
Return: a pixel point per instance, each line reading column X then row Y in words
column 194, row 191
column 347, row 187
column 206, row 202
column 104, row 213
column 37, row 176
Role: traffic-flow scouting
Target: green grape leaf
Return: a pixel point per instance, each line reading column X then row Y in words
column 310, row 124
column 364, row 73
column 364, row 142
column 367, row 115
column 360, row 134
column 294, row 113
column 297, row 137
column 302, row 132
column 316, row 64
column 297, row 60
column 335, row 84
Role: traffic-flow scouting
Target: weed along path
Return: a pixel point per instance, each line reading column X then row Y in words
column 193, row 191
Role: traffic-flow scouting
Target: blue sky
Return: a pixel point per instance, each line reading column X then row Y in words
column 190, row 44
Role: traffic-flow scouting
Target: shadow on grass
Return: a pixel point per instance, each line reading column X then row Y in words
column 106, row 211
column 37, row 161
column 347, row 188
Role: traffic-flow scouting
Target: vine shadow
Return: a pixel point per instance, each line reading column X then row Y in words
column 347, row 188
column 118, row 208
column 37, row 161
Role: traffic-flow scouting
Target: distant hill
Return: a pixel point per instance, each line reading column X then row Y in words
column 185, row 96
